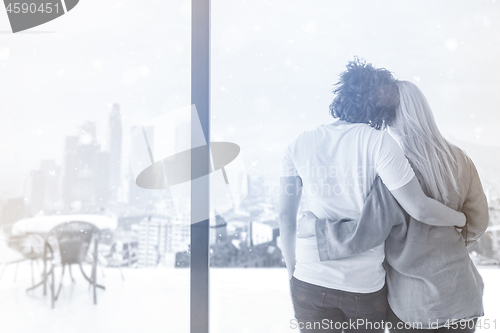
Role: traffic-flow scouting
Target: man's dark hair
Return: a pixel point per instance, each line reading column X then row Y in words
column 365, row 94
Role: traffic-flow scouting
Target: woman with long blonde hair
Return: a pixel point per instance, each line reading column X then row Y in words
column 431, row 278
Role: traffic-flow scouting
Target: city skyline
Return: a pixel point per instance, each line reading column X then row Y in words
column 89, row 174
column 87, row 131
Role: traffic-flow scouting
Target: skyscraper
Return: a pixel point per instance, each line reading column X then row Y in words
column 37, row 187
column 83, row 168
column 153, row 240
column 43, row 187
column 52, row 182
column 102, row 177
column 115, row 150
column 70, row 175
column 138, row 196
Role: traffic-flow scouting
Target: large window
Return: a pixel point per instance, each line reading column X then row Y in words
column 273, row 67
column 76, row 89
column 106, row 114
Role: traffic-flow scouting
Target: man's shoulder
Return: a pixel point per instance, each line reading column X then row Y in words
column 309, row 134
column 360, row 131
column 368, row 129
column 325, row 129
column 364, row 132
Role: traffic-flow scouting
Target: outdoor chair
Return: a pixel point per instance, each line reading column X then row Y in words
column 77, row 243
column 30, row 247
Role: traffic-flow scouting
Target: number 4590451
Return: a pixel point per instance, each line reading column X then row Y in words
column 47, row 7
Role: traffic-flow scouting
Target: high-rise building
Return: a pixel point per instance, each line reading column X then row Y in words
column 43, row 188
column 138, row 196
column 102, row 179
column 115, row 150
column 218, row 230
column 179, row 234
column 161, row 237
column 88, row 164
column 52, row 183
column 13, row 210
column 153, row 240
column 84, row 167
column 70, row 173
column 36, row 191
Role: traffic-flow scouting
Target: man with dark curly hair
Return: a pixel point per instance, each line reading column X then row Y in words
column 365, row 94
column 335, row 166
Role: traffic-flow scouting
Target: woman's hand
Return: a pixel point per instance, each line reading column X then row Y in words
column 306, row 227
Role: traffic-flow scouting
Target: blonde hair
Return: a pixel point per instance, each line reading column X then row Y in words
column 428, row 151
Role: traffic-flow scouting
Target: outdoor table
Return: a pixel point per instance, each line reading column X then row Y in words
column 42, row 225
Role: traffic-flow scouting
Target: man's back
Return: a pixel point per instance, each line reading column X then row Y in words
column 338, row 164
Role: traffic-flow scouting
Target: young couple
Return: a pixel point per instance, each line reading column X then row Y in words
column 388, row 215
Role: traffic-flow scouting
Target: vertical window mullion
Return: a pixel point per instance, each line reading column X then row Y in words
column 200, row 196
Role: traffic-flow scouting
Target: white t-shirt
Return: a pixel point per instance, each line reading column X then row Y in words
column 338, row 164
